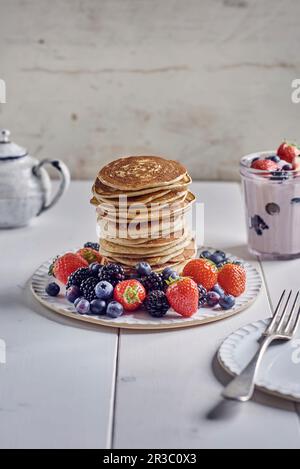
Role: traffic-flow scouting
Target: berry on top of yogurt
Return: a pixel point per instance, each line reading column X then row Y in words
column 288, row 151
column 287, row 159
column 265, row 165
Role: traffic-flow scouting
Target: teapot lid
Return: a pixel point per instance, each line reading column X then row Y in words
column 9, row 150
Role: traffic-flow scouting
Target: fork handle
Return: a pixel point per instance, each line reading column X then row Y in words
column 242, row 387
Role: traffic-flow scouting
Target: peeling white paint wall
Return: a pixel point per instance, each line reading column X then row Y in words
column 203, row 81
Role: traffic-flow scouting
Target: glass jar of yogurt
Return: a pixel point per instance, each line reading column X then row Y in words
column 272, row 200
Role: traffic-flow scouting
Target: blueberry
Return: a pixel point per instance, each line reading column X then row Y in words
column 279, row 176
column 274, row 158
column 258, row 224
column 104, row 290
column 82, row 306
column 95, row 268
column 212, row 298
column 272, row 208
column 221, row 254
column 205, row 254
column 169, row 275
column 98, row 307
column 114, row 309
column 218, row 290
column 216, row 258
column 143, row 269
column 167, row 272
column 295, row 200
column 287, row 167
column 227, row 301
column 73, row 293
column 77, row 301
column 52, row 289
column 173, row 277
column 255, row 159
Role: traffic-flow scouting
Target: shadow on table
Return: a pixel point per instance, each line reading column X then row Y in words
column 226, row 409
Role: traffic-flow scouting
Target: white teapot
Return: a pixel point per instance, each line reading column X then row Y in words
column 25, row 186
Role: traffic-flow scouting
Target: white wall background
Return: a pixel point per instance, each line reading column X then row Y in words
column 203, row 81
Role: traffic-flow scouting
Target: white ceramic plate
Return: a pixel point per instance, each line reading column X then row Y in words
column 280, row 370
column 140, row 319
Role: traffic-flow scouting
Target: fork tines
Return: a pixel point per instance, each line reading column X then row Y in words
column 285, row 321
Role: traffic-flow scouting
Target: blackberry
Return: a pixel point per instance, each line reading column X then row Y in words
column 153, row 281
column 157, row 304
column 94, row 246
column 112, row 273
column 202, row 296
column 88, row 288
column 77, row 277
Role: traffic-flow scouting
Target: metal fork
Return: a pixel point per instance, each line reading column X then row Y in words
column 282, row 327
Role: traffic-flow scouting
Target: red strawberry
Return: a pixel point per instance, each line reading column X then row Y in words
column 232, row 278
column 202, row 271
column 288, row 151
column 90, row 255
column 130, row 293
column 183, row 296
column 65, row 265
column 264, row 165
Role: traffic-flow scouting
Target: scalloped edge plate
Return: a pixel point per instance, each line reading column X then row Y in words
column 141, row 320
column 237, row 350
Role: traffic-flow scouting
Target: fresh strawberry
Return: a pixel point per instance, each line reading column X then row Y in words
column 90, row 255
column 288, row 151
column 232, row 278
column 202, row 271
column 264, row 165
column 183, row 296
column 63, row 266
column 130, row 293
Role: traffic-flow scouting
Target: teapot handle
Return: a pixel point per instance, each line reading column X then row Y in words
column 64, row 181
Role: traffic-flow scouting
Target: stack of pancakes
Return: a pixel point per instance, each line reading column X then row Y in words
column 142, row 202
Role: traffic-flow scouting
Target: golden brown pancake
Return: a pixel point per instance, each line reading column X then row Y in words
column 141, row 251
column 141, row 172
column 150, row 222
column 177, row 257
column 157, row 212
column 149, row 242
column 100, row 189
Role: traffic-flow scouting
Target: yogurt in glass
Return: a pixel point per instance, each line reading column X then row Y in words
column 272, row 200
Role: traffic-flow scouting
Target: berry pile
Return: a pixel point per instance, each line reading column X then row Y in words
column 281, row 164
column 96, row 289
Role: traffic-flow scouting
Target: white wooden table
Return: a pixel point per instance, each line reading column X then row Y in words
column 66, row 385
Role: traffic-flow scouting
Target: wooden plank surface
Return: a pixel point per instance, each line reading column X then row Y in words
column 56, row 388
column 168, row 390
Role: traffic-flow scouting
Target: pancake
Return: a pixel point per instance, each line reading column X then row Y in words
column 141, row 172
column 141, row 229
column 123, row 207
column 141, row 204
column 158, row 212
column 136, row 251
column 142, row 199
column 177, row 257
column 101, row 190
column 149, row 242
